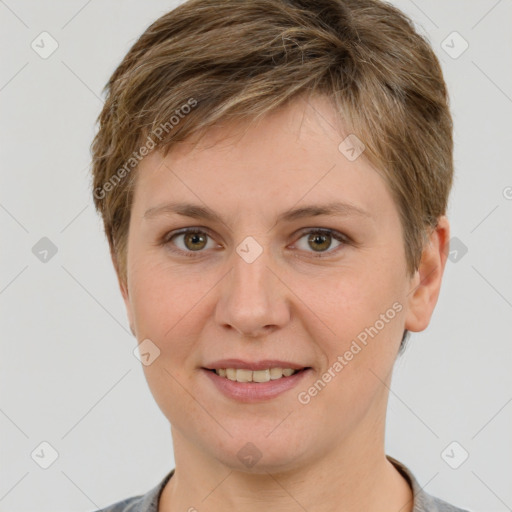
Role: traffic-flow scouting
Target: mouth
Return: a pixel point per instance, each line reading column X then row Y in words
column 258, row 376
column 257, row 382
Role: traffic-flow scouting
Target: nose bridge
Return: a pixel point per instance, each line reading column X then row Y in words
column 252, row 299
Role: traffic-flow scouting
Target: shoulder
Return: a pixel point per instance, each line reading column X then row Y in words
column 437, row 505
column 423, row 502
column 142, row 503
column 127, row 505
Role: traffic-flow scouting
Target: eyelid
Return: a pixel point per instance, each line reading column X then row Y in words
column 330, row 231
column 166, row 239
column 336, row 235
column 183, row 231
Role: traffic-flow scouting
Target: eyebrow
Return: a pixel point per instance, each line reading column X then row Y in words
column 203, row 212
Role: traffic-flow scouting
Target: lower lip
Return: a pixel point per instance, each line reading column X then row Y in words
column 255, row 391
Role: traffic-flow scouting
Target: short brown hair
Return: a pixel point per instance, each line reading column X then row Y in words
column 239, row 59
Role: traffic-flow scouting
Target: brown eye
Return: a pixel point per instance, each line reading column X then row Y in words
column 320, row 240
column 194, row 241
column 188, row 241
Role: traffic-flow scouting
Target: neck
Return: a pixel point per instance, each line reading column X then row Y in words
column 350, row 478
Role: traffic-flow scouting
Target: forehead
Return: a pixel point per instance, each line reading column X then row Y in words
column 294, row 155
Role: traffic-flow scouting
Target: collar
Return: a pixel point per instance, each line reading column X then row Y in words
column 422, row 501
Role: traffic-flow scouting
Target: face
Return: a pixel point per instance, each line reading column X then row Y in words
column 271, row 280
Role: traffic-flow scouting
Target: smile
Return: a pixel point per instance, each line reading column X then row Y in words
column 243, row 385
column 244, row 375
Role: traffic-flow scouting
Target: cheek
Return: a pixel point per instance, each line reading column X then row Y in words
column 170, row 307
column 365, row 328
column 365, row 315
column 165, row 307
column 353, row 301
column 162, row 299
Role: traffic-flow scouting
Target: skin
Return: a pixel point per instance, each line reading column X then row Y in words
column 327, row 455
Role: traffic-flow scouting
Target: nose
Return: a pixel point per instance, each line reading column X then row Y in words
column 253, row 299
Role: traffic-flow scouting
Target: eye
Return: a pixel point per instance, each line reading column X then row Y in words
column 320, row 239
column 194, row 240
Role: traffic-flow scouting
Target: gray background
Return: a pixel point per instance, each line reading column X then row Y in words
column 68, row 374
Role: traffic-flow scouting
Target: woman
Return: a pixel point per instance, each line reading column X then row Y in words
column 273, row 179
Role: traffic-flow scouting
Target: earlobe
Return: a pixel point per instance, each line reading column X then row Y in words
column 426, row 284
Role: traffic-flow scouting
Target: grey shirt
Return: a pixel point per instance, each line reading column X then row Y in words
column 423, row 502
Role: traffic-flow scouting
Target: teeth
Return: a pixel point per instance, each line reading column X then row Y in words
column 276, row 373
column 243, row 375
column 261, row 376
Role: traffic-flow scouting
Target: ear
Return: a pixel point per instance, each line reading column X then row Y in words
column 426, row 283
column 123, row 286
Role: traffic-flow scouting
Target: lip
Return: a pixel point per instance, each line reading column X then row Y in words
column 262, row 364
column 248, row 392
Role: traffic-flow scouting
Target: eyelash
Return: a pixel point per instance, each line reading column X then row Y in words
column 340, row 237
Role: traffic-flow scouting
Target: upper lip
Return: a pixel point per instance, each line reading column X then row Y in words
column 262, row 364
